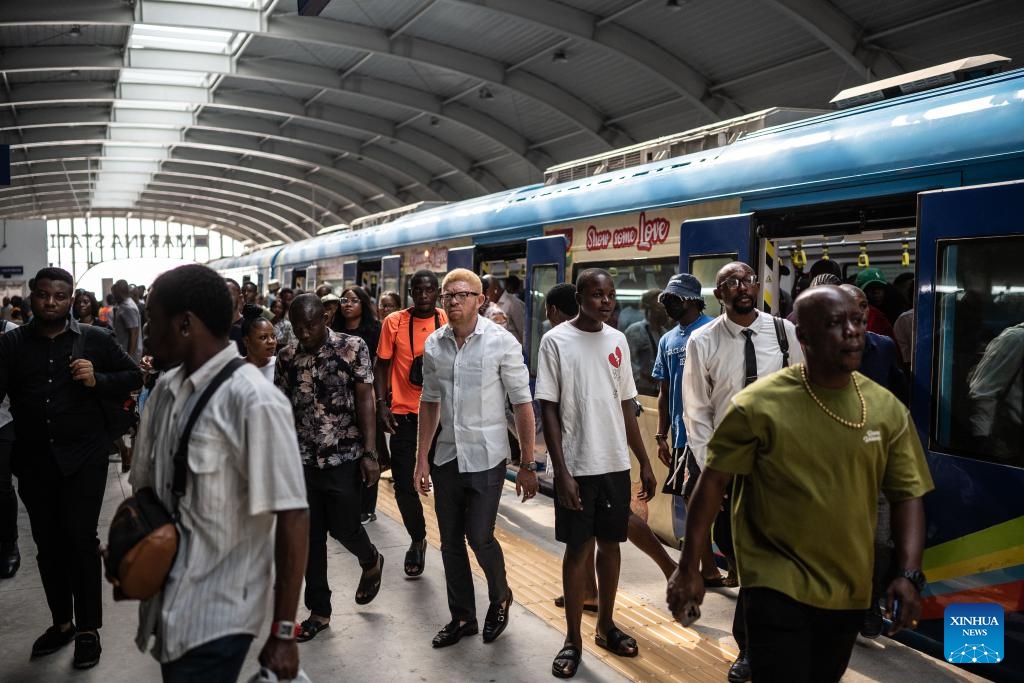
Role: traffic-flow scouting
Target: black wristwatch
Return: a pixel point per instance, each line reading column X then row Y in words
column 372, row 455
column 916, row 577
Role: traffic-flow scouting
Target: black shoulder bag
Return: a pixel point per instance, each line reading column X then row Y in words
column 143, row 540
column 416, row 369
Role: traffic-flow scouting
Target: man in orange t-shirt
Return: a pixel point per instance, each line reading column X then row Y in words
column 398, row 380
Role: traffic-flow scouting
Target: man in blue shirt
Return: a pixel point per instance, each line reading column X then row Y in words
column 683, row 301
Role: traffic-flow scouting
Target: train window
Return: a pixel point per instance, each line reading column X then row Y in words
column 979, row 337
column 638, row 314
column 705, row 269
column 542, row 279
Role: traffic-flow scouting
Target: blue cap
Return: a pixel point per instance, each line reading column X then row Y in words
column 683, row 285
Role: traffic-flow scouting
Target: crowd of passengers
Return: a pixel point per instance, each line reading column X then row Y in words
column 339, row 386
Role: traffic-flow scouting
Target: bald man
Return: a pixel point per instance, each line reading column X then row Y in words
column 800, row 482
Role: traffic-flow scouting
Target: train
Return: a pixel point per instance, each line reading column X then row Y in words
column 925, row 181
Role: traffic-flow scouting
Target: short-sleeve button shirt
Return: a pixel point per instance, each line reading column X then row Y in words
column 322, row 389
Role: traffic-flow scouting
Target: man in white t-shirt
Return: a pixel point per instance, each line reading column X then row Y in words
column 586, row 393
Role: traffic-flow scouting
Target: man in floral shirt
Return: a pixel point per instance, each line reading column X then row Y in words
column 329, row 380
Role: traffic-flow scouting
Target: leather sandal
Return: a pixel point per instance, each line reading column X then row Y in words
column 309, row 629
column 618, row 643
column 416, row 558
column 566, row 662
column 587, row 607
column 368, row 588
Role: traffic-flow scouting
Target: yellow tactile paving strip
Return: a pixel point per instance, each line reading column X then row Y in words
column 668, row 651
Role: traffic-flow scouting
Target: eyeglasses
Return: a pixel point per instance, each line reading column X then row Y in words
column 457, row 296
column 348, row 302
column 734, row 282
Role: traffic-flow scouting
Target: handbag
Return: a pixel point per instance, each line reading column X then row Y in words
column 143, row 539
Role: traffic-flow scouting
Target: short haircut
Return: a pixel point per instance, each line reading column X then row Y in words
column 464, row 275
column 232, row 281
column 393, row 295
column 307, row 305
column 588, row 274
column 250, row 283
column 423, row 274
column 563, row 297
column 54, row 275
column 198, row 290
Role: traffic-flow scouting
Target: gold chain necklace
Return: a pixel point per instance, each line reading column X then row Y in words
column 845, row 423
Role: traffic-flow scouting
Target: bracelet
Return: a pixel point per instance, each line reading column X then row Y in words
column 658, row 437
column 382, row 400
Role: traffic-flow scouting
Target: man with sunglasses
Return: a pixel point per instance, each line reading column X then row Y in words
column 397, row 381
column 722, row 358
column 470, row 366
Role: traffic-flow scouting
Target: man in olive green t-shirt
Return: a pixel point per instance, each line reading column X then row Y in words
column 805, row 500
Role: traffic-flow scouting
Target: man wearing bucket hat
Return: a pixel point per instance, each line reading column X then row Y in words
column 873, row 283
column 683, row 301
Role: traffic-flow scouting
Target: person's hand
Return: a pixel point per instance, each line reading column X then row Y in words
column 146, row 364
column 421, row 476
column 648, row 483
column 910, row 604
column 385, row 419
column 664, row 453
column 281, row 657
column 371, row 471
column 82, row 371
column 526, row 484
column 684, row 587
column 568, row 492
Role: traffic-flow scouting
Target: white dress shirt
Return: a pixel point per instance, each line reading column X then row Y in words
column 244, row 465
column 515, row 311
column 715, row 371
column 471, row 384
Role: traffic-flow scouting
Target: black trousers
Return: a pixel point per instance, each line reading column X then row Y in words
column 334, row 497
column 403, row 466
column 64, row 511
column 213, row 662
column 722, row 535
column 466, row 504
column 8, row 499
column 791, row 642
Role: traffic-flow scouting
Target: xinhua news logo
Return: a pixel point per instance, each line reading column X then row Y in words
column 974, row 633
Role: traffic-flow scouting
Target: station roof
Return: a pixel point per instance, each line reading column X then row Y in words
column 270, row 126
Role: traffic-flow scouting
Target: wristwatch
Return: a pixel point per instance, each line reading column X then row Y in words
column 529, row 466
column 916, row 577
column 372, row 455
column 659, row 437
column 284, row 630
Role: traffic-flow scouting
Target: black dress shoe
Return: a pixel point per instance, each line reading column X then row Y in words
column 739, row 672
column 453, row 632
column 10, row 560
column 53, row 640
column 87, row 650
column 497, row 618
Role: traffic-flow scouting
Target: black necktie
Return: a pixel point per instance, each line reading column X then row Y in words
column 750, row 359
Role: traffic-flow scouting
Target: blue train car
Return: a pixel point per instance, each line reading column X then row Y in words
column 927, row 184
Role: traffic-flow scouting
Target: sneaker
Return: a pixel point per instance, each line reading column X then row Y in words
column 872, row 627
column 366, row 518
column 52, row 640
column 87, row 650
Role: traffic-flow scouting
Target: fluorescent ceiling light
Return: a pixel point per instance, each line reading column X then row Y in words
column 155, row 105
column 239, row 4
column 165, row 77
column 205, row 40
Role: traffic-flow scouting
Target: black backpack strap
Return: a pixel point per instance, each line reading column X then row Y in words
column 780, row 334
column 78, row 346
column 181, row 455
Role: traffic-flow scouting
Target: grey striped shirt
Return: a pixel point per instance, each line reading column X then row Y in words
column 244, row 465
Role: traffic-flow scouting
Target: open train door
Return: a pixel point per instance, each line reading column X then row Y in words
column 391, row 274
column 707, row 244
column 545, row 268
column 349, row 273
column 462, row 257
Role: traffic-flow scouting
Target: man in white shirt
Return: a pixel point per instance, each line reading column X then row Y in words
column 470, row 365
column 514, row 309
column 244, row 475
column 722, row 357
column 586, row 392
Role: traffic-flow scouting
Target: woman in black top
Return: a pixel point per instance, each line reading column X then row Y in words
column 357, row 317
column 87, row 310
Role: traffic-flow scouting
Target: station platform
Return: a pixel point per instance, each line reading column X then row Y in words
column 389, row 639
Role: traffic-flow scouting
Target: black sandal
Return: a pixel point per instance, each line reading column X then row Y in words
column 416, row 557
column 367, row 591
column 587, row 607
column 618, row 643
column 309, row 629
column 570, row 654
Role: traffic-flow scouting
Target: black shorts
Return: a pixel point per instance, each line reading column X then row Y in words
column 605, row 513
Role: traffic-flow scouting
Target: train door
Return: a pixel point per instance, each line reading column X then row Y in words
column 311, row 277
column 462, row 257
column 349, row 273
column 545, row 268
column 707, row 244
column 369, row 277
column 391, row 274
column 969, row 399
